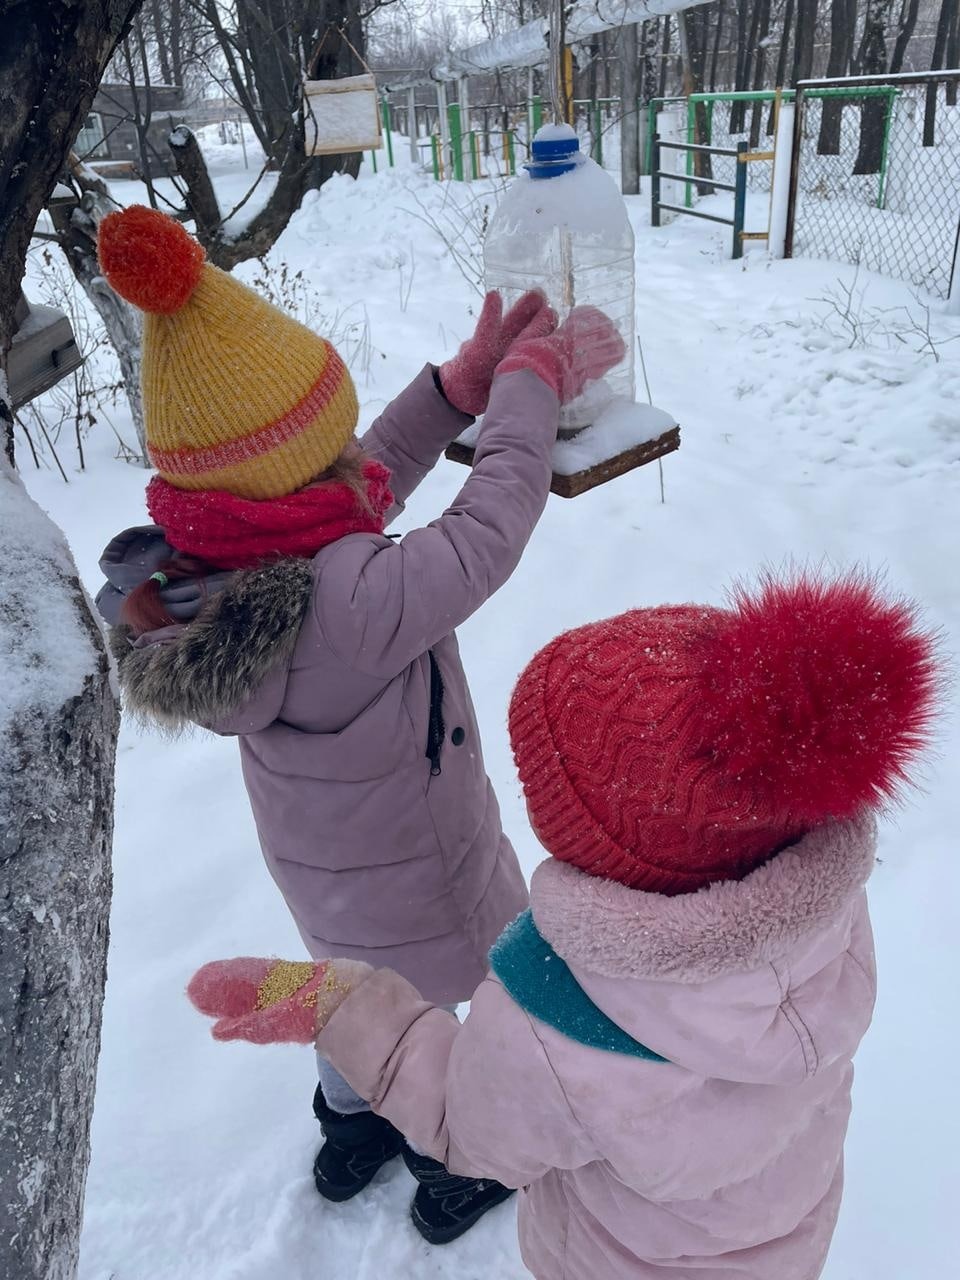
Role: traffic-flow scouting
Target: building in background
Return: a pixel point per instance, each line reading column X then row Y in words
column 125, row 133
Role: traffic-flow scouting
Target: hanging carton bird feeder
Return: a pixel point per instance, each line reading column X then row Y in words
column 342, row 115
column 44, row 350
column 562, row 227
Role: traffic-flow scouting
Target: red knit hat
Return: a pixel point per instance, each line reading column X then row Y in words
column 667, row 748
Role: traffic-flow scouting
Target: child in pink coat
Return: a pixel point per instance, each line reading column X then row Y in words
column 661, row 1053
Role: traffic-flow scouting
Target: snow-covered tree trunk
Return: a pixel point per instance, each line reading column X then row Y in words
column 58, row 726
column 58, row 715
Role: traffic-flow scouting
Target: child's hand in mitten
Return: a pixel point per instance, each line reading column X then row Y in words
column 467, row 377
column 584, row 348
column 273, row 1001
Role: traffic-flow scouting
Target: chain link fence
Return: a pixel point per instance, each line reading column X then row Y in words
column 876, row 176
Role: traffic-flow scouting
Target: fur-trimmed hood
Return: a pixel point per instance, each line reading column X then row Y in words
column 717, row 980
column 728, row 927
column 237, row 648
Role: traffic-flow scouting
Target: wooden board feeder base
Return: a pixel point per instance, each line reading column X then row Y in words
column 571, row 486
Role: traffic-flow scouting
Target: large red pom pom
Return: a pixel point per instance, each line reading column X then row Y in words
column 819, row 694
column 149, row 259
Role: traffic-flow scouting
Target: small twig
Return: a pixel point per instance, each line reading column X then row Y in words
column 50, row 446
column 646, row 382
column 26, row 431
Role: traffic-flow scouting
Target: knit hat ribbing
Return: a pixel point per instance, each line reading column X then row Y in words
column 668, row 748
column 237, row 396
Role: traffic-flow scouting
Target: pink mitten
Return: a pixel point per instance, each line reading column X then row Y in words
column 584, row 348
column 273, row 1001
column 467, row 377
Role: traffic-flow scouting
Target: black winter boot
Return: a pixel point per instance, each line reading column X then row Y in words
column 356, row 1147
column 446, row 1205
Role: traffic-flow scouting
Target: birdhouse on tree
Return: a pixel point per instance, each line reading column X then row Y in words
column 44, row 350
column 563, row 227
column 342, row 115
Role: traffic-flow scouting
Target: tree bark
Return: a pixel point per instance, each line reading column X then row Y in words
column 665, row 54
column 717, row 37
column 945, row 23
column 843, row 20
column 909, row 12
column 872, row 60
column 76, row 228
column 763, row 30
column 629, row 111
column 803, row 44
column 742, row 67
column 224, row 249
column 953, row 55
column 648, row 49
column 56, row 795
column 57, row 747
column 45, row 95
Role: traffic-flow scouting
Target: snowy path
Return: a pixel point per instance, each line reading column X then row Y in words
column 794, row 445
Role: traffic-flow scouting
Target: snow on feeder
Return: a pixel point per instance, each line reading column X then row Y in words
column 562, row 227
column 342, row 115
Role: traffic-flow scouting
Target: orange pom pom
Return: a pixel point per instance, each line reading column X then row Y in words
column 149, row 259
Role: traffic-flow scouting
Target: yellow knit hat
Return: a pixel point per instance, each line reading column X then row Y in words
column 237, row 396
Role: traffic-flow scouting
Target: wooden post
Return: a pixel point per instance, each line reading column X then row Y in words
column 445, row 165
column 463, row 97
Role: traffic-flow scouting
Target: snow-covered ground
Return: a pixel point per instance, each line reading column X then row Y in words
column 805, row 437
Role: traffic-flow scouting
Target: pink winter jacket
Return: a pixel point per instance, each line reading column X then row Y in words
column 722, row 1163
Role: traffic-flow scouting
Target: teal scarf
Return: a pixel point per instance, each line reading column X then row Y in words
column 540, row 982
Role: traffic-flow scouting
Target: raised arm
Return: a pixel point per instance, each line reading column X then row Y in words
column 402, row 598
column 439, row 404
column 412, row 432
column 382, row 606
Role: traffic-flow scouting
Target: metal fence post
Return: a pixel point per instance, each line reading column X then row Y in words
column 799, row 107
column 740, row 198
column 536, row 114
column 456, row 139
column 435, row 156
column 885, row 150
column 598, row 133
column 953, row 290
column 387, row 127
column 412, row 128
column 655, row 180
column 653, row 108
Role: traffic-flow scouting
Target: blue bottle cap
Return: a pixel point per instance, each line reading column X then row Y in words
column 555, row 150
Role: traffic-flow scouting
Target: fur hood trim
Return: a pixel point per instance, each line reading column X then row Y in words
column 731, row 926
column 212, row 665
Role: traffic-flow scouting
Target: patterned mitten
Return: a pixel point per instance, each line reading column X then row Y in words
column 273, row 1001
column 583, row 348
column 466, row 379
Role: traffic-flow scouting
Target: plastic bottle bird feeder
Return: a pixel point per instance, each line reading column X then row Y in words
column 562, row 227
column 342, row 115
column 44, row 350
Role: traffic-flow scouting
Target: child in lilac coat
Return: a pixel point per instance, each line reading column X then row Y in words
column 268, row 602
column 661, row 1054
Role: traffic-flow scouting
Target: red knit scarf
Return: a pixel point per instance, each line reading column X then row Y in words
column 238, row 533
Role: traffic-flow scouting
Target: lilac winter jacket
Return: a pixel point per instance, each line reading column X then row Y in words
column 323, row 671
column 723, row 1162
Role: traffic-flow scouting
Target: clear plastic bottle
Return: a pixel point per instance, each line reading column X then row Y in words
column 562, row 227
